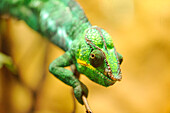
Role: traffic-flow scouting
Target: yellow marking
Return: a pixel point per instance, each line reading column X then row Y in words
column 83, row 63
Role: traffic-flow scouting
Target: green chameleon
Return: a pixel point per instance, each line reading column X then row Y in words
column 88, row 47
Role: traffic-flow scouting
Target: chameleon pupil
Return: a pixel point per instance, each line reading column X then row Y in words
column 92, row 56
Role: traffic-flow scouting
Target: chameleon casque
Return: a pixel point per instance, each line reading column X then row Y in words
column 64, row 23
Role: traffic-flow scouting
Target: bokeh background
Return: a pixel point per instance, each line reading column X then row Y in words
column 141, row 33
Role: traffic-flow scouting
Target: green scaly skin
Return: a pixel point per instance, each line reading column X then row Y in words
column 64, row 23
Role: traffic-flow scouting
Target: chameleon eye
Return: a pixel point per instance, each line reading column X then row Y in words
column 96, row 58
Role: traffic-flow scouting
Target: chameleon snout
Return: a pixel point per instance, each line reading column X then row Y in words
column 109, row 74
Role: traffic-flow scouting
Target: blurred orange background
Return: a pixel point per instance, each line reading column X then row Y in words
column 141, row 33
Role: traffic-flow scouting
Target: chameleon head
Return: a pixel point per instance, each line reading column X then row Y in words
column 97, row 57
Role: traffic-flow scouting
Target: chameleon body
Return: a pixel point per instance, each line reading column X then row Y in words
column 64, row 23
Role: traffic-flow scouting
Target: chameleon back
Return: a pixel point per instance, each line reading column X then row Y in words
column 61, row 21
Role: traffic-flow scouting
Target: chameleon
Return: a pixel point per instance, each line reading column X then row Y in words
column 89, row 48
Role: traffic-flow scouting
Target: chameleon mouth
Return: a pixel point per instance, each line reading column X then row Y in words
column 109, row 74
column 106, row 74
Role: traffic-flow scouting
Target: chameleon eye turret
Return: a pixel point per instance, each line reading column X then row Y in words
column 96, row 58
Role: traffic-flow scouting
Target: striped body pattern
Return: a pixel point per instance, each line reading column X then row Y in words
column 64, row 23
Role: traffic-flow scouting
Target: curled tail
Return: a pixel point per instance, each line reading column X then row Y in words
column 61, row 21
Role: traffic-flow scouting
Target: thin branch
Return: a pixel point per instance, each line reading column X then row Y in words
column 41, row 82
column 88, row 110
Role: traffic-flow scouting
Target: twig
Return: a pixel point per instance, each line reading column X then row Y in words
column 88, row 110
column 39, row 87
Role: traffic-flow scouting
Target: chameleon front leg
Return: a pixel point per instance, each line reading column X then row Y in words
column 58, row 70
column 77, row 74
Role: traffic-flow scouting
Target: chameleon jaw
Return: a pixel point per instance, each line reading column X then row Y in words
column 115, row 79
column 109, row 74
